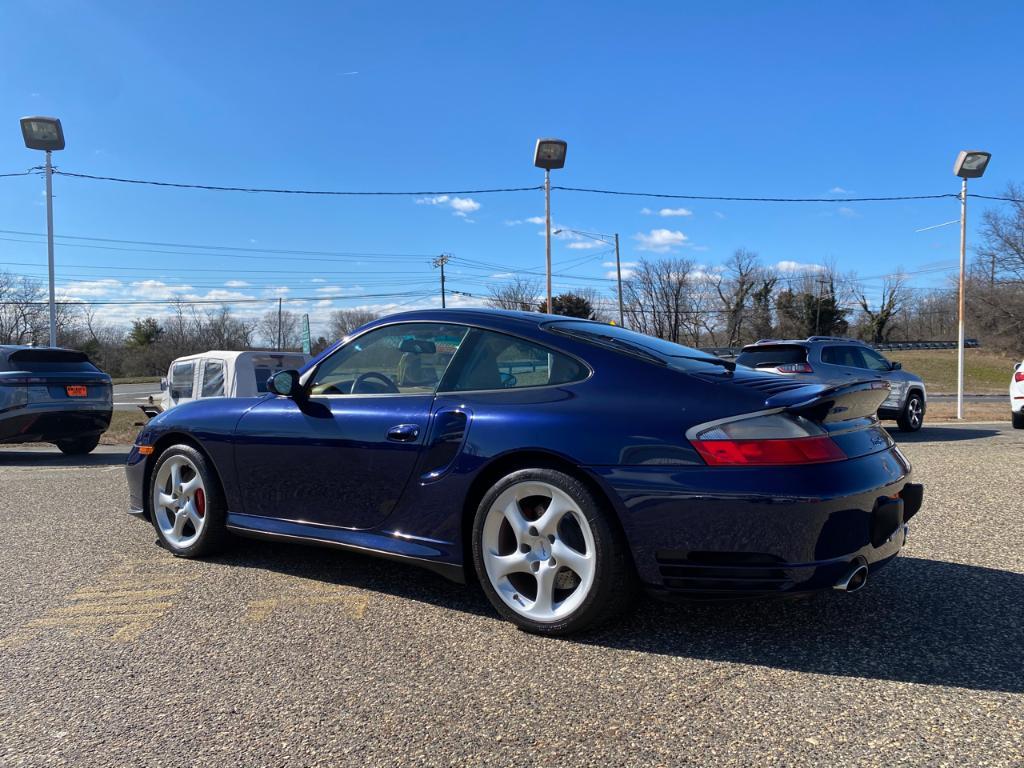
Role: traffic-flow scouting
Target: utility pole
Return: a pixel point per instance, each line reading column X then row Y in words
column 440, row 261
column 960, row 306
column 618, row 277
column 817, row 319
column 49, row 247
column 547, row 228
column 280, row 319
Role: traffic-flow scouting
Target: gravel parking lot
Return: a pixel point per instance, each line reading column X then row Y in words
column 114, row 653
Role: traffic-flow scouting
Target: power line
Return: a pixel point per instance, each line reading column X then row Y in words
column 230, row 302
column 733, row 198
column 276, row 191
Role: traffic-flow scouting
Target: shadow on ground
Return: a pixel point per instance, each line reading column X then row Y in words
column 104, row 456
column 919, row 621
column 937, row 434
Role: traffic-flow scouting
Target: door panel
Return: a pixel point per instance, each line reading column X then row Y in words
column 330, row 461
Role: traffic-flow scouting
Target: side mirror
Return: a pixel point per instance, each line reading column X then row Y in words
column 1016, row 366
column 163, row 383
column 894, row 366
column 285, row 383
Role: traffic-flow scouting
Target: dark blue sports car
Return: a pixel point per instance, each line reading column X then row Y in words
column 563, row 462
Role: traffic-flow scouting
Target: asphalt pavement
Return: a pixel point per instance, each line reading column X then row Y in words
column 128, row 397
column 114, row 653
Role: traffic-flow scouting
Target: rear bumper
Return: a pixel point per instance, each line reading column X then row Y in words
column 47, row 422
column 727, row 533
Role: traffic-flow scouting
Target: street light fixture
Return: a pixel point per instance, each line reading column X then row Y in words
column 969, row 164
column 46, row 133
column 549, row 154
column 609, row 240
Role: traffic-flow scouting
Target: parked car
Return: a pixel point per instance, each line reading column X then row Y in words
column 833, row 360
column 1017, row 396
column 53, row 395
column 221, row 374
column 560, row 461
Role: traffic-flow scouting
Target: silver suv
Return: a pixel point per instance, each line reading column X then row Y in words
column 832, row 359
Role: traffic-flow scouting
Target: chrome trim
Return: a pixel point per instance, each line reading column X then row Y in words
column 692, row 432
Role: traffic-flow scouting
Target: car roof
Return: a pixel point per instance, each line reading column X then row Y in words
column 226, row 354
column 807, row 342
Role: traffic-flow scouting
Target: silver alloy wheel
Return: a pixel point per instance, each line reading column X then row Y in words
column 915, row 411
column 538, row 551
column 179, row 502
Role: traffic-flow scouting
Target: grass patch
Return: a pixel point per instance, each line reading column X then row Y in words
column 124, row 427
column 984, row 372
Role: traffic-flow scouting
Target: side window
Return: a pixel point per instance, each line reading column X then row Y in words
column 182, row 376
column 846, row 356
column 213, row 378
column 397, row 359
column 830, row 355
column 497, row 361
column 874, row 361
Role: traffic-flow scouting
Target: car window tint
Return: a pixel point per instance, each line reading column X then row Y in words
column 847, row 356
column 182, row 379
column 770, row 356
column 265, row 366
column 213, row 378
column 497, row 361
column 875, row 361
column 397, row 359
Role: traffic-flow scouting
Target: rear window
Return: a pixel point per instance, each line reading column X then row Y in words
column 182, row 379
column 772, row 355
column 49, row 360
column 638, row 344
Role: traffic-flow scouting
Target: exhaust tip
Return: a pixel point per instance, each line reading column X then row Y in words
column 854, row 580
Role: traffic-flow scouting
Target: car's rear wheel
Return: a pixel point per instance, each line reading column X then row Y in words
column 186, row 505
column 911, row 418
column 1018, row 419
column 548, row 555
column 77, row 446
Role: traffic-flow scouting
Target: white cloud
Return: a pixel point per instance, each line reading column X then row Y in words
column 324, row 303
column 646, row 211
column 660, row 240
column 719, row 214
column 626, row 274
column 624, row 264
column 840, row 191
column 318, row 280
column 847, row 212
column 535, row 220
column 675, row 212
column 330, row 289
column 461, row 206
column 92, row 288
column 796, row 266
column 235, row 284
column 277, row 290
column 218, row 294
column 584, row 245
column 156, row 289
column 502, row 275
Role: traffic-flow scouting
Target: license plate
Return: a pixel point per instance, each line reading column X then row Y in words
column 77, row 390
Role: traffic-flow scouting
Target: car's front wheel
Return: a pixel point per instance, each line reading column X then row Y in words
column 549, row 557
column 911, row 418
column 186, row 505
column 78, row 446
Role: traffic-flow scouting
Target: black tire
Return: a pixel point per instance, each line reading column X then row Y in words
column 615, row 582
column 911, row 418
column 214, row 533
column 78, row 446
column 1018, row 419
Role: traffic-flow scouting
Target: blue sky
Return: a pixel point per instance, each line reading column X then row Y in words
column 726, row 98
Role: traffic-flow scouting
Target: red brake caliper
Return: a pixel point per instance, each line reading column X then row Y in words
column 200, row 502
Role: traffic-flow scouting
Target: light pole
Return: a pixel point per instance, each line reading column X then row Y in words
column 440, row 261
column 609, row 239
column 45, row 133
column 968, row 165
column 548, row 154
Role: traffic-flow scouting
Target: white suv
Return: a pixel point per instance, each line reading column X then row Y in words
column 1017, row 396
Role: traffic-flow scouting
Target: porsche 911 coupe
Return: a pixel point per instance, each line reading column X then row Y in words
column 563, row 463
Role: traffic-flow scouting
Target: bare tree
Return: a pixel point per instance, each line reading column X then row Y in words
column 877, row 323
column 735, row 286
column 288, row 331
column 344, row 321
column 518, row 294
column 658, row 298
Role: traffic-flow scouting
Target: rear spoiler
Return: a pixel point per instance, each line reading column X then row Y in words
column 828, row 404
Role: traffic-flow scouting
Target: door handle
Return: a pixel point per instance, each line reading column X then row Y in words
column 404, row 433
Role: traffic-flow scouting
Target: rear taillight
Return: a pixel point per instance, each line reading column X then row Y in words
column 20, row 381
column 794, row 368
column 1018, row 376
column 772, row 439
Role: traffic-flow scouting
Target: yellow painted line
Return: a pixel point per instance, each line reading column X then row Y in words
column 128, row 609
column 142, row 594
column 88, row 620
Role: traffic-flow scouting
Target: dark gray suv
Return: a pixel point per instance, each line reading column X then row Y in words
column 832, row 359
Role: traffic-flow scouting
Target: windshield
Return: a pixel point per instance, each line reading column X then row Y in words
column 623, row 339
